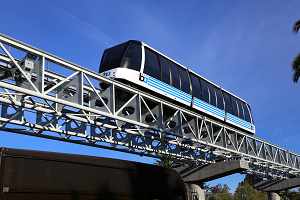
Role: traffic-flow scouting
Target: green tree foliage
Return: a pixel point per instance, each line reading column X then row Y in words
column 296, row 68
column 216, row 189
column 206, row 189
column 251, row 179
column 293, row 195
column 222, row 195
column 296, row 62
column 296, row 27
column 165, row 161
column 220, row 191
column 251, row 193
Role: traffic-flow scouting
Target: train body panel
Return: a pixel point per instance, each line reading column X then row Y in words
column 167, row 90
column 237, row 121
column 123, row 73
column 208, row 109
column 142, row 65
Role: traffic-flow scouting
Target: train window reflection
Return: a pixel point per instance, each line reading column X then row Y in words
column 197, row 91
column 184, row 80
column 152, row 67
column 242, row 115
column 134, row 52
column 133, row 57
column 205, row 93
column 112, row 57
column 246, row 113
column 220, row 103
column 235, row 106
column 212, row 94
column 252, row 121
column 165, row 70
column 241, row 112
column 228, row 106
column 175, row 75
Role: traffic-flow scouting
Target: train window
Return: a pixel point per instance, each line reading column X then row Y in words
column 228, row 106
column 205, row 93
column 134, row 51
column 235, row 106
column 133, row 57
column 152, row 67
column 112, row 57
column 184, row 80
column 212, row 94
column 175, row 75
column 220, row 103
column 246, row 113
column 197, row 91
column 165, row 70
column 241, row 112
column 252, row 121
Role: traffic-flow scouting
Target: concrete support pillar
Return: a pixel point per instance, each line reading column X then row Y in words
column 195, row 190
column 273, row 195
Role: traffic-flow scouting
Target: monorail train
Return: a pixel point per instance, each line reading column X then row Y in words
column 138, row 63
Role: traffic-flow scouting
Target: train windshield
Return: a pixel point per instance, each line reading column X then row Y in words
column 112, row 57
column 133, row 57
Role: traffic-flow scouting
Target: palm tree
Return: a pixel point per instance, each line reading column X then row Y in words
column 296, row 27
column 288, row 194
column 296, row 62
column 168, row 161
column 165, row 161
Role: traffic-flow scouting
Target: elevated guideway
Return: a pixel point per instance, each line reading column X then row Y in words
column 277, row 185
column 273, row 187
column 65, row 103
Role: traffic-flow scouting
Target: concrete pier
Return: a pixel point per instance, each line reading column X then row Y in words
column 194, row 176
column 195, row 190
column 273, row 196
column 272, row 187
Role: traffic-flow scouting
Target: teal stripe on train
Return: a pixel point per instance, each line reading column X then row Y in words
column 238, row 121
column 206, row 106
column 169, row 89
column 197, row 102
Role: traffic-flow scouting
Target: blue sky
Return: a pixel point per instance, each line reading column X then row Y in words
column 245, row 47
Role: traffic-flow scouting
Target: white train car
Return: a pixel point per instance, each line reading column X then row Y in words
column 138, row 63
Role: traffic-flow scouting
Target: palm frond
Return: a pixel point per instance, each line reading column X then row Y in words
column 165, row 161
column 296, row 27
column 293, row 195
column 296, row 68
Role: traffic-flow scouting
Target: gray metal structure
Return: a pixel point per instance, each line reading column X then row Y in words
column 71, row 107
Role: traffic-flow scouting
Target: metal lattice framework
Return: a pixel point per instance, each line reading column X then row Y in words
column 71, row 107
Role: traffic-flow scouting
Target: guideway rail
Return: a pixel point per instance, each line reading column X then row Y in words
column 71, row 107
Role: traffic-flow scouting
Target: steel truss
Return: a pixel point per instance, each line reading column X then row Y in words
column 71, row 107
